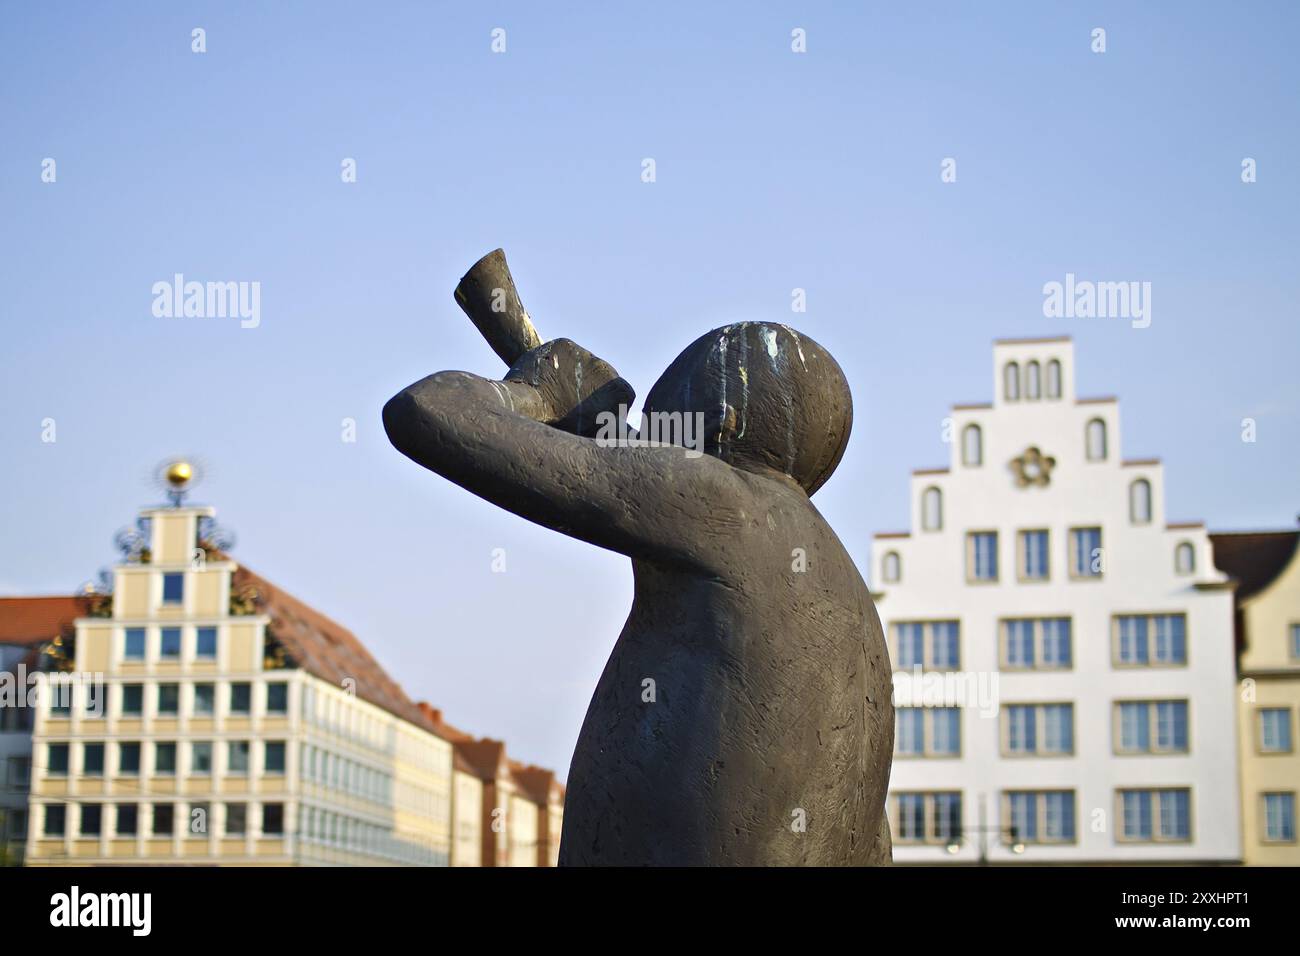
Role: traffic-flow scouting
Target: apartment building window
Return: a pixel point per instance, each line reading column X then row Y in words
column 169, row 699
column 128, row 759
column 241, row 698
column 929, row 645
column 982, row 556
column 164, row 759
column 15, row 718
column 892, row 567
column 236, row 819
column 273, row 819
column 205, row 699
column 931, row 509
column 1036, row 643
column 274, row 756
column 1033, row 382
column 133, row 649
column 1040, row 816
column 277, row 698
column 173, row 588
column 972, row 446
column 20, row 771
column 198, row 820
column 927, row 732
column 1279, row 817
column 92, row 819
column 1033, row 555
column 1274, row 730
column 56, row 819
column 1085, row 553
column 1295, row 642
column 1043, row 730
column 201, row 758
column 92, row 760
column 170, row 647
column 1144, row 640
column 132, row 700
column 1095, row 440
column 1053, row 379
column 17, row 823
column 128, row 819
column 164, row 819
column 1011, row 382
column 1184, row 558
column 1139, row 502
column 96, row 699
column 237, row 757
column 60, row 696
column 56, row 760
column 1151, row 726
column 1155, row 816
column 205, row 643
column 933, row 817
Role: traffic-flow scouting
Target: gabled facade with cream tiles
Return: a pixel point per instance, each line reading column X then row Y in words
column 1063, row 653
column 192, row 734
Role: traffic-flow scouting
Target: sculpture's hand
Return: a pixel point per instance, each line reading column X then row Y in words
column 573, row 386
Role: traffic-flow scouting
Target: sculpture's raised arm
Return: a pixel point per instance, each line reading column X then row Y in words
column 526, row 442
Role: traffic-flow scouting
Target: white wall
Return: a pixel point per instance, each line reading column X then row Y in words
column 1139, row 577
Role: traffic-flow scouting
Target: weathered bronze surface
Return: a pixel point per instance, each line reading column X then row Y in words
column 744, row 715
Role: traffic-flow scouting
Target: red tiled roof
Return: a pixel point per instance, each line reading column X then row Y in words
column 1253, row 558
column 486, row 758
column 327, row 649
column 32, row 620
column 537, row 783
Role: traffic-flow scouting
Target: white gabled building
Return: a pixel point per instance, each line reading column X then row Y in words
column 1088, row 643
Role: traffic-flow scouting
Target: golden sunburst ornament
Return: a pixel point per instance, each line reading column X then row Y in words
column 1032, row 468
column 176, row 476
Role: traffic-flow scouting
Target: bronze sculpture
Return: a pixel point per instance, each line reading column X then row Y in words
column 744, row 715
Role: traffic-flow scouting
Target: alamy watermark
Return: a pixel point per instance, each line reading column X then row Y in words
column 1084, row 299
column 658, row 429
column 22, row 688
column 972, row 690
column 179, row 299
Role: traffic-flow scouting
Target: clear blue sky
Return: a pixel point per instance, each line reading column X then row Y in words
column 775, row 171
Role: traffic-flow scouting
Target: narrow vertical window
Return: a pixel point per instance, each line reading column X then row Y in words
column 1184, row 558
column 931, row 509
column 1139, row 502
column 893, row 567
column 1011, row 382
column 972, row 446
column 1096, row 440
column 1033, row 382
column 1053, row 379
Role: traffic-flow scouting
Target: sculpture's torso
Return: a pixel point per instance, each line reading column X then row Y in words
column 767, row 733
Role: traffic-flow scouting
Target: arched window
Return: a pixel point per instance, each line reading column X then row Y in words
column 892, row 566
column 972, row 446
column 1033, row 382
column 1053, row 379
column 1096, row 440
column 1139, row 501
column 931, row 509
column 1011, row 382
column 1184, row 558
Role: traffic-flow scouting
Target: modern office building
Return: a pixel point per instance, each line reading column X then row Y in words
column 1266, row 567
column 1064, row 674
column 202, row 715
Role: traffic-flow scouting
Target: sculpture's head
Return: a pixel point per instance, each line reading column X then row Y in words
column 771, row 399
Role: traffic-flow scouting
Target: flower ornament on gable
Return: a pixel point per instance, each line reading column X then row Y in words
column 1032, row 468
